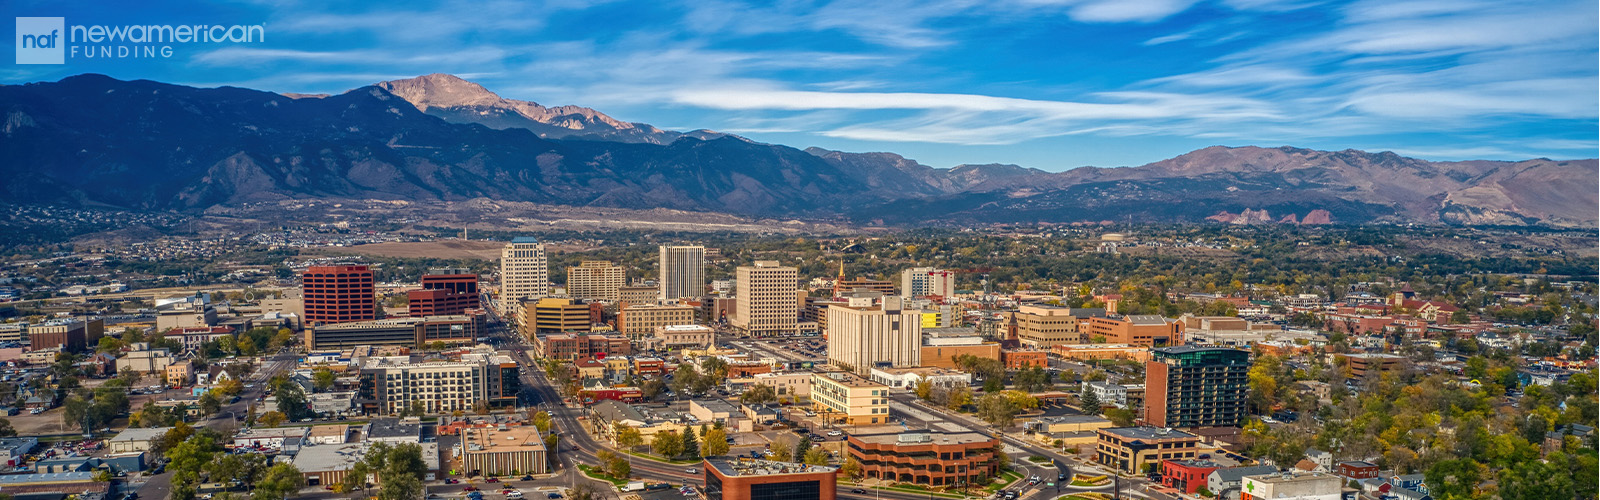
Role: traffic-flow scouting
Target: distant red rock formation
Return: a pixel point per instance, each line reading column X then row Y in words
column 1318, row 216
column 1289, row 219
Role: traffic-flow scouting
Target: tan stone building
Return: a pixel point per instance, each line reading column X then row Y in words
column 849, row 398
column 683, row 272
column 767, row 303
column 680, row 336
column 643, row 320
column 863, row 335
column 637, row 295
column 524, row 273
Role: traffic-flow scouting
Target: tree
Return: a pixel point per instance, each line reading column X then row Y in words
column 356, row 477
column 1089, row 402
column 691, row 446
column 272, row 418
column 619, row 467
column 230, row 387
column 542, row 421
column 209, row 403
column 322, row 379
column 552, row 441
column 1123, row 417
column 280, row 481
column 923, row 389
column 959, row 397
column 716, row 443
column 851, row 468
column 759, row 394
column 628, row 437
column 997, row 410
column 780, row 451
column 816, row 456
column 667, row 444
column 291, row 399
column 6, row 430
column 101, row 476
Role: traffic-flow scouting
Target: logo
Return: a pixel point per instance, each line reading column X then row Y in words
column 41, row 40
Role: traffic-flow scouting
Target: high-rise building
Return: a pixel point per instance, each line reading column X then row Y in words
column 595, row 279
column 338, row 294
column 864, row 335
column 524, row 273
column 444, row 292
column 925, row 281
column 766, row 300
column 683, row 271
column 68, row 334
column 556, row 315
column 1196, row 386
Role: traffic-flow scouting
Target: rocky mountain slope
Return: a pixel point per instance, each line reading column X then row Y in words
column 93, row 140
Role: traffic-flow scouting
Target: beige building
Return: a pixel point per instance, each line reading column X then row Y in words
column 683, row 272
column 849, row 398
column 555, row 315
column 864, row 335
column 595, row 279
column 442, row 387
column 684, row 336
column 636, row 295
column 641, row 320
column 1045, row 326
column 144, row 361
column 494, row 451
column 796, row 384
column 767, row 303
column 524, row 273
column 136, row 439
column 180, row 373
column 328, row 434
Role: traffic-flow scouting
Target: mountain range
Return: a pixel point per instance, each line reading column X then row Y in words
column 90, row 140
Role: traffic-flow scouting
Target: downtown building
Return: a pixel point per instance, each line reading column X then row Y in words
column 767, row 299
column 1196, row 386
column 414, row 332
column 754, row 479
column 927, row 281
column 864, row 335
column 637, row 321
column 391, row 385
column 444, row 292
column 683, row 272
column 925, row 457
column 338, row 294
column 524, row 274
column 595, row 279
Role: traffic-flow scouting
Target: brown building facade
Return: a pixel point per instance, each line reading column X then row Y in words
column 573, row 347
column 752, row 479
column 929, row 458
column 338, row 294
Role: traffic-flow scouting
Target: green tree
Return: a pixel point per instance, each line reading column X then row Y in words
column 619, row 468
column 291, row 400
column 691, row 446
column 851, row 468
column 667, row 444
column 759, row 394
column 628, row 437
column 209, row 403
column 1089, row 402
column 816, row 456
column 6, row 430
column 356, row 478
column 1122, row 417
column 322, row 379
column 998, row 410
column 541, row 420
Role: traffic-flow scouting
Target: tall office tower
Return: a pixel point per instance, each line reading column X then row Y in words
column 683, row 271
column 766, row 302
column 595, row 279
column 1196, row 386
column 865, row 335
column 925, row 281
column 338, row 294
column 524, row 273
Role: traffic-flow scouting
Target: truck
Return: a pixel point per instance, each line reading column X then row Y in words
column 633, row 486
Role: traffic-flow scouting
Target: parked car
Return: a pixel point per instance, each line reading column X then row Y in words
column 691, row 470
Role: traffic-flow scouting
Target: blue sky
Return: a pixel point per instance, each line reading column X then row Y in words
column 1051, row 84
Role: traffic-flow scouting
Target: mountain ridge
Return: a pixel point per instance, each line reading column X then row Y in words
column 93, row 140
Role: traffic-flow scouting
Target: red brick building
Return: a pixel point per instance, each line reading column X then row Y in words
column 571, row 347
column 928, row 458
column 751, row 479
column 444, row 294
column 1017, row 360
column 1355, row 469
column 338, row 294
column 1187, row 475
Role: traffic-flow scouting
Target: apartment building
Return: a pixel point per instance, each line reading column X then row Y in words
column 638, row 295
column 860, row 283
column 767, row 300
column 390, row 385
column 595, row 279
column 1196, row 386
column 683, row 272
column 925, row 457
column 524, row 274
column 638, row 321
column 850, row 399
column 864, row 335
column 1134, row 449
column 927, row 281
column 573, row 347
column 338, row 294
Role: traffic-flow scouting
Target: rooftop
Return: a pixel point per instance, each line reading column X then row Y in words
column 897, row 435
column 524, row 239
column 494, row 440
column 717, row 405
column 1148, row 433
column 329, row 430
column 272, row 432
column 1232, row 474
column 327, row 458
column 141, row 434
column 1189, row 348
column 920, row 370
column 393, row 428
column 755, row 467
column 850, row 379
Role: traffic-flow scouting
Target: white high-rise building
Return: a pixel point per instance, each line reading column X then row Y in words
column 595, row 279
column 524, row 273
column 863, row 335
column 925, row 281
column 767, row 299
column 683, row 271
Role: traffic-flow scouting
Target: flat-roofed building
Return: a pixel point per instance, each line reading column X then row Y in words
column 925, row 457
column 849, row 398
column 1292, row 486
column 1140, row 329
column 638, row 295
column 328, row 434
column 683, row 271
column 1070, row 430
column 1045, row 326
column 1131, row 449
column 942, row 346
column 573, row 347
column 864, row 335
column 595, row 279
column 338, row 294
column 552, row 314
column 908, row 378
column 767, row 299
column 414, row 332
column 501, row 452
column 392, row 386
column 70, row 335
column 524, row 274
column 444, row 292
column 136, row 439
column 927, row 281
column 1096, row 352
column 861, row 283
column 1196, row 386
column 1363, row 363
column 638, row 321
column 754, row 479
column 684, row 336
